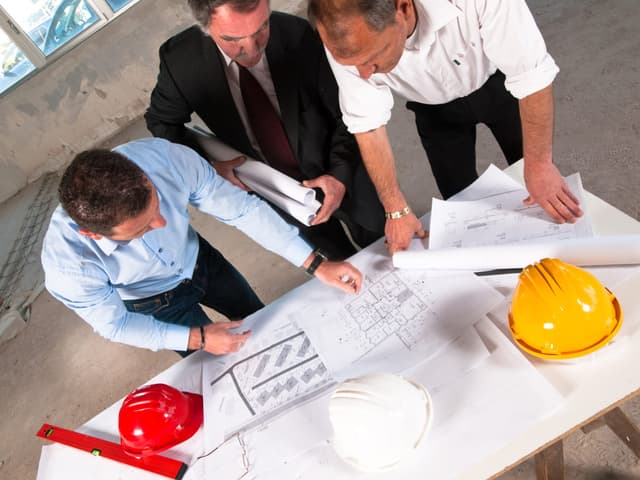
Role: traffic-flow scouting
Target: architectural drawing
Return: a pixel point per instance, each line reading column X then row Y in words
column 270, row 378
column 401, row 317
column 499, row 219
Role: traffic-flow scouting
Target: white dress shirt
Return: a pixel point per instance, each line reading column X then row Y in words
column 262, row 74
column 456, row 46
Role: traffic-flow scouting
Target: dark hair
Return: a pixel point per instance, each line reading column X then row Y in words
column 378, row 14
column 203, row 9
column 100, row 189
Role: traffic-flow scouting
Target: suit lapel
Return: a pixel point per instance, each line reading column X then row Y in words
column 285, row 76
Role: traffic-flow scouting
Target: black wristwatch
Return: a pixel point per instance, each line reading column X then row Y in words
column 318, row 258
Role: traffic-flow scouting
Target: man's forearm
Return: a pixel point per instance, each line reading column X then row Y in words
column 378, row 159
column 536, row 116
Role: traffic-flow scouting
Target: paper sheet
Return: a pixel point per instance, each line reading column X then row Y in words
column 501, row 218
column 281, row 190
column 610, row 250
column 398, row 320
column 492, row 182
column 60, row 462
column 269, row 376
column 281, row 441
column 503, row 394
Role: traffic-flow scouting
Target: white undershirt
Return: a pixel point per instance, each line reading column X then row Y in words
column 456, row 46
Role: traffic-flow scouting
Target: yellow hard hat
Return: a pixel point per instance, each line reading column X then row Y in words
column 561, row 311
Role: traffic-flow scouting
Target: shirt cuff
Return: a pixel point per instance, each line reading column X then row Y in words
column 532, row 81
column 176, row 337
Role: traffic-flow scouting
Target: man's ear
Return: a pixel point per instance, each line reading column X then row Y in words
column 403, row 7
column 88, row 234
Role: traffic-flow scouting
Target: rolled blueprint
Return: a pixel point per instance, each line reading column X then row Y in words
column 258, row 173
column 303, row 213
column 276, row 187
column 608, row 250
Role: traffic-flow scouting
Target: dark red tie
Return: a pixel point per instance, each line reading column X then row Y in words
column 267, row 126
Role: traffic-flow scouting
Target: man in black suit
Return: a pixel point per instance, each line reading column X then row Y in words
column 201, row 71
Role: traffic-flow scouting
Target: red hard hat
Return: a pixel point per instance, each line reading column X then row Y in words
column 157, row 417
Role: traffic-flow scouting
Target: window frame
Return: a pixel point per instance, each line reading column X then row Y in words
column 36, row 56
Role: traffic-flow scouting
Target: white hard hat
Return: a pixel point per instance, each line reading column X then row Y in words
column 378, row 419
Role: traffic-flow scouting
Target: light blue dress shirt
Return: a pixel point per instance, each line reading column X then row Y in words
column 94, row 277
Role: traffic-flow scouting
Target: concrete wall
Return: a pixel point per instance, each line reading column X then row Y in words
column 86, row 96
column 89, row 94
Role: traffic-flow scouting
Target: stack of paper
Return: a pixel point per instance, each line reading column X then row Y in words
column 486, row 226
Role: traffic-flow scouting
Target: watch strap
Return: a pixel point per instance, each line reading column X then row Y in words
column 318, row 258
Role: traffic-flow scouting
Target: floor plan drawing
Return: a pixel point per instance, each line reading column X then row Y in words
column 401, row 315
column 389, row 306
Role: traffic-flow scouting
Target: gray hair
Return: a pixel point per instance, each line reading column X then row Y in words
column 378, row 14
column 203, row 10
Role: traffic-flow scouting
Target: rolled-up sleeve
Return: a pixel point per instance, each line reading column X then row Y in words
column 513, row 42
column 365, row 105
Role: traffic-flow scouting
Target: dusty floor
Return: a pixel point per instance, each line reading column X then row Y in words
column 57, row 370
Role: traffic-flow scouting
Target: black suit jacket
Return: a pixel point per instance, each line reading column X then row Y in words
column 192, row 79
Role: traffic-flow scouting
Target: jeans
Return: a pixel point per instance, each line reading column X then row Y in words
column 214, row 283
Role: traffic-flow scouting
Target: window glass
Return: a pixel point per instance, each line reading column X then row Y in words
column 14, row 65
column 118, row 4
column 51, row 23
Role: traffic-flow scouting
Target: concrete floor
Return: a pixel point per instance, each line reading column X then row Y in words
column 57, row 370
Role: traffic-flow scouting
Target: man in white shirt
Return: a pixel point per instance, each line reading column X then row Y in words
column 458, row 63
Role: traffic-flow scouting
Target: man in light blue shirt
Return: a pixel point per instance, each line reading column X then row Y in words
column 120, row 251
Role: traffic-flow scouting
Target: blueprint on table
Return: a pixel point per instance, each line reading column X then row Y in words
column 401, row 317
column 501, row 218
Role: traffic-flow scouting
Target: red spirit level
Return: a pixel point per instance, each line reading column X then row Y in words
column 165, row 466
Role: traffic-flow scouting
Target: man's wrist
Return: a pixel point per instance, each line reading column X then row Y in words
column 316, row 261
column 397, row 213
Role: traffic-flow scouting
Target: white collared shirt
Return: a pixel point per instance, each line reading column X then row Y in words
column 456, row 46
column 262, row 74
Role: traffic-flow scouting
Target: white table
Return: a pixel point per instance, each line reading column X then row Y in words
column 588, row 389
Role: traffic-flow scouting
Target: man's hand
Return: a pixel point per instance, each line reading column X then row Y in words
column 333, row 190
column 225, row 170
column 548, row 189
column 218, row 338
column 341, row 275
column 400, row 231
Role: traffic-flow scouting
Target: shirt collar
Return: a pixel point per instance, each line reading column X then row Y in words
column 108, row 246
column 432, row 15
column 229, row 62
column 227, row 59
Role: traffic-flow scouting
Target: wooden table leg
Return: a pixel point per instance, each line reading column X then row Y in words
column 550, row 463
column 620, row 424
